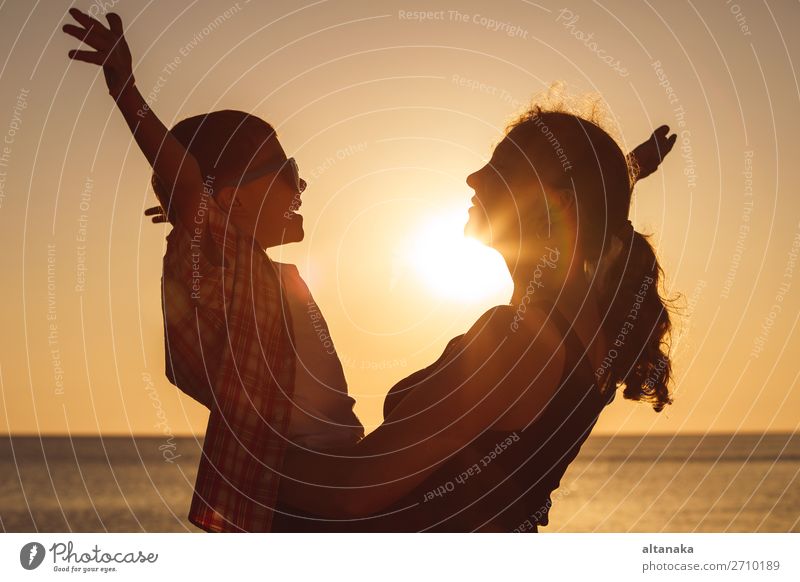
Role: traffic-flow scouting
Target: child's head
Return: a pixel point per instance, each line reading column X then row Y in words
column 241, row 158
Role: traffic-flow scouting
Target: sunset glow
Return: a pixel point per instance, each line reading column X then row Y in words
column 387, row 109
column 454, row 266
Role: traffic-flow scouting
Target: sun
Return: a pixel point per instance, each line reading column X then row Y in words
column 454, row 266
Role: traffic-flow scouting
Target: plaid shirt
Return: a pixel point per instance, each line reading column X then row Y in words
column 228, row 345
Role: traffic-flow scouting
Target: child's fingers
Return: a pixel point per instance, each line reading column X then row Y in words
column 115, row 23
column 660, row 134
column 87, row 57
column 94, row 38
column 86, row 20
column 86, row 36
column 159, row 219
column 665, row 144
column 663, row 139
column 76, row 31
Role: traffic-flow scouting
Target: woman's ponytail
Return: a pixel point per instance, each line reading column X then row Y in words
column 636, row 323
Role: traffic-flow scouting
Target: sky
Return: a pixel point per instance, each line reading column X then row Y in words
column 387, row 107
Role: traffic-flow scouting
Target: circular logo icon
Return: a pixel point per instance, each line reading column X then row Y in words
column 31, row 555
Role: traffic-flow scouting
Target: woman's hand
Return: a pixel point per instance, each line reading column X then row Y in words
column 649, row 155
column 157, row 213
column 111, row 51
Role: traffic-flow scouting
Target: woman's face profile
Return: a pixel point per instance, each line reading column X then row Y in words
column 509, row 197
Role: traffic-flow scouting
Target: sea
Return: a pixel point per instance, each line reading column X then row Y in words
column 687, row 483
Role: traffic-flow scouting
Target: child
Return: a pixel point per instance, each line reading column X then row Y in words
column 240, row 334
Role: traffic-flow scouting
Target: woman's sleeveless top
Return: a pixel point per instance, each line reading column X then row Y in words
column 503, row 481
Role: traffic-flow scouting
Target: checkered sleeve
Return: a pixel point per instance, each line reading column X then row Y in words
column 197, row 282
column 203, row 255
column 231, row 333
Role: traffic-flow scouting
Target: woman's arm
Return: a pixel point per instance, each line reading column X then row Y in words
column 496, row 373
column 176, row 168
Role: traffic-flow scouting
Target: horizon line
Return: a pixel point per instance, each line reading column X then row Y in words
column 202, row 435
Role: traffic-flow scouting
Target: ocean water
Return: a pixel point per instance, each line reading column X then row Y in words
column 719, row 483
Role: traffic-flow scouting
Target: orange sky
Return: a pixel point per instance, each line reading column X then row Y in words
column 387, row 112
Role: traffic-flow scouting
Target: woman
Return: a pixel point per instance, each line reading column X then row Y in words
column 480, row 439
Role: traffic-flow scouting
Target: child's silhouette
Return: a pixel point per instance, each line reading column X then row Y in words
column 241, row 336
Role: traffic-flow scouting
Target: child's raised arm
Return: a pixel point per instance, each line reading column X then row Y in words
column 175, row 167
column 648, row 155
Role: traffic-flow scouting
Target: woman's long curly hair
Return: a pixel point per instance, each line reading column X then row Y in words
column 625, row 271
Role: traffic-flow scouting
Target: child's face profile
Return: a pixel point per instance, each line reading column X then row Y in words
column 265, row 203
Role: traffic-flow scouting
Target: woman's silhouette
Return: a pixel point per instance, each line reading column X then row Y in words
column 480, row 439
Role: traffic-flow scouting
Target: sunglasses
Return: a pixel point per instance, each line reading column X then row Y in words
column 269, row 168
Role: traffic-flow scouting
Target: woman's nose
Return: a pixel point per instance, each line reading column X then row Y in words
column 472, row 180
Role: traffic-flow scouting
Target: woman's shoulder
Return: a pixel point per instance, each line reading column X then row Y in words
column 494, row 353
column 518, row 361
column 516, row 328
column 402, row 388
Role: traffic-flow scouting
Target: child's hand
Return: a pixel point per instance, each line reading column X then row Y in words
column 651, row 153
column 112, row 52
column 174, row 167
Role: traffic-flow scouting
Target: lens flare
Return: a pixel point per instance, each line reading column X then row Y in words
column 453, row 266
